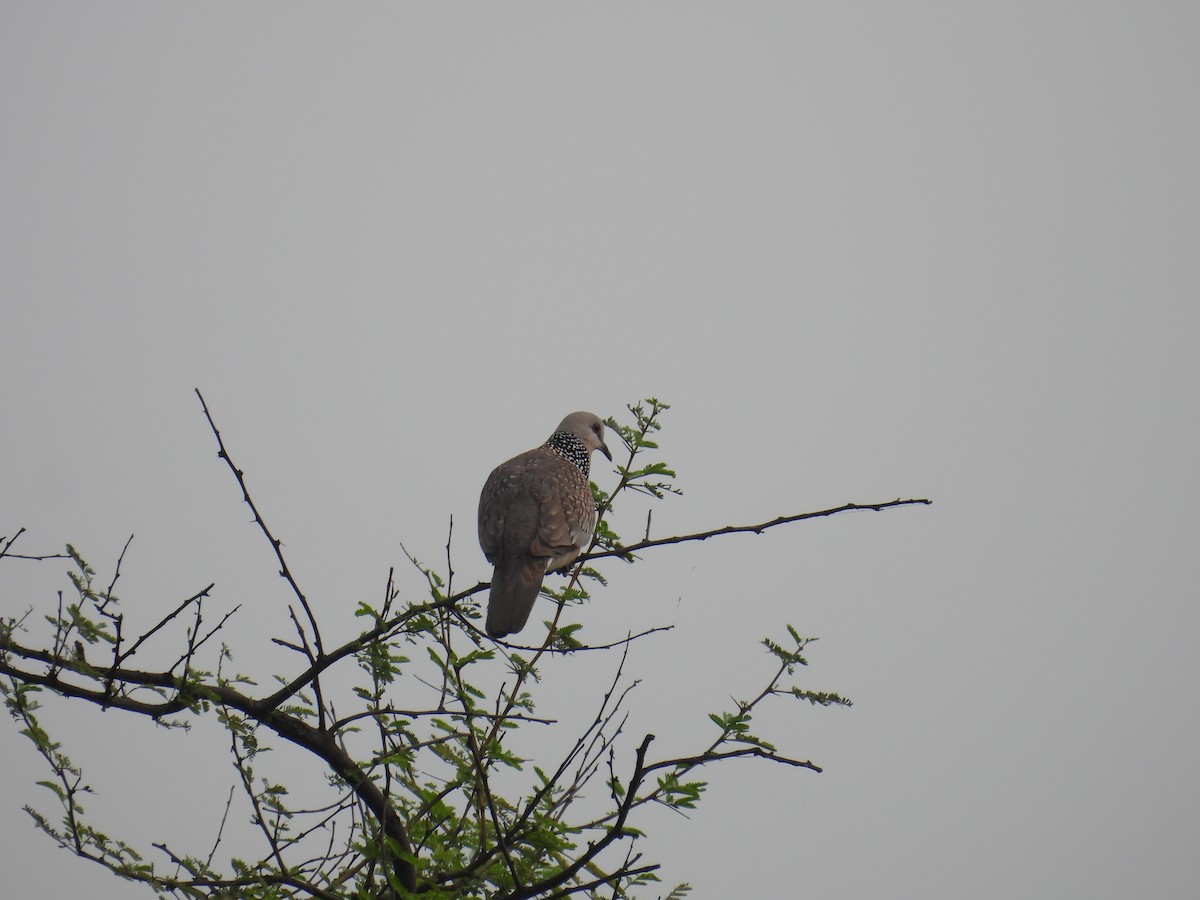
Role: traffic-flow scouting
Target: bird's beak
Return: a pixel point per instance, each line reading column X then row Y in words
column 603, row 448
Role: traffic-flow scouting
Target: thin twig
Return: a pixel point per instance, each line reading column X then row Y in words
column 625, row 551
column 195, row 598
column 8, row 542
column 221, row 828
column 276, row 544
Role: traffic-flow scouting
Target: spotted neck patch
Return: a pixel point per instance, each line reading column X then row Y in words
column 570, row 448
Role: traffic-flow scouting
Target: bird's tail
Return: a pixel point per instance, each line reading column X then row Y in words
column 515, row 586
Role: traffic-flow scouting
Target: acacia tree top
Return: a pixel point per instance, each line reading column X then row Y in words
column 418, row 746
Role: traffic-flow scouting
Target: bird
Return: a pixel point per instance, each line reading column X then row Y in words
column 536, row 515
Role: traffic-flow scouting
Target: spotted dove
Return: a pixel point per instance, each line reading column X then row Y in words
column 536, row 515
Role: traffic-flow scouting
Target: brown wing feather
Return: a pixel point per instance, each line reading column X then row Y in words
column 534, row 510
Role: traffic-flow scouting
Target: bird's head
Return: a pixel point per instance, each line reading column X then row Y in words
column 588, row 428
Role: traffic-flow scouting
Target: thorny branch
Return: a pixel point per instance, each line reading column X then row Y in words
column 627, row 550
column 6, row 544
column 276, row 544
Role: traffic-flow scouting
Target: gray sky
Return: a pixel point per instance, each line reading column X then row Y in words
column 865, row 250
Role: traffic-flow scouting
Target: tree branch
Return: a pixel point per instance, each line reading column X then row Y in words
column 594, row 849
column 320, row 742
column 276, row 544
column 625, row 551
column 6, row 546
column 445, row 766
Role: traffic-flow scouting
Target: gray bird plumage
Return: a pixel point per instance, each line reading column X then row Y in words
column 536, row 515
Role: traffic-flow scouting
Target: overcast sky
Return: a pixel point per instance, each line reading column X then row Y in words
column 937, row 250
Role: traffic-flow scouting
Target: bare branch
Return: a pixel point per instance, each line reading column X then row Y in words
column 276, row 544
column 691, row 762
column 221, row 828
column 108, row 597
column 626, row 551
column 612, row 645
column 8, row 543
column 195, row 598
